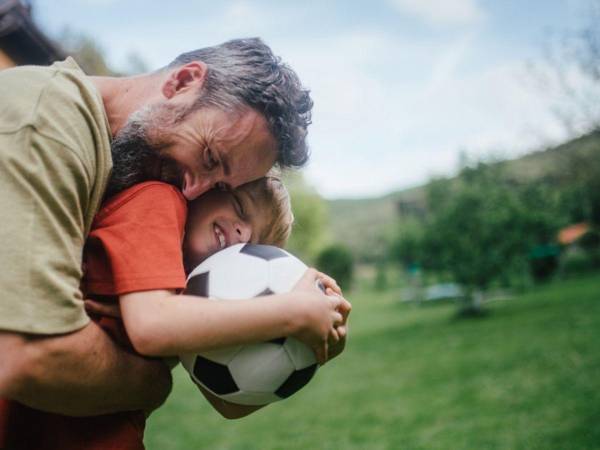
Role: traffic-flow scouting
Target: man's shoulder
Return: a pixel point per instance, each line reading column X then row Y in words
column 58, row 101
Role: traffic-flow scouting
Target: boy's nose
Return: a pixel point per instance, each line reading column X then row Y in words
column 242, row 232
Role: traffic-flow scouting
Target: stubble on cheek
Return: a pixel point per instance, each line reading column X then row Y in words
column 139, row 150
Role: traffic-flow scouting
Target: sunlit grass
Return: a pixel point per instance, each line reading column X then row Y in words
column 525, row 376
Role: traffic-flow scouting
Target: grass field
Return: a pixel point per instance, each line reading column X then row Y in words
column 527, row 376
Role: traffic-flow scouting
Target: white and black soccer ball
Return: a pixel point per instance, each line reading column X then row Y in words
column 254, row 374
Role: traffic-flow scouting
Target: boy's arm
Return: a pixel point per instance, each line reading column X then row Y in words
column 160, row 324
column 80, row 373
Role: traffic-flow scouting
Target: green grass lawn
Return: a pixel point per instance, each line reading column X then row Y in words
column 527, row 376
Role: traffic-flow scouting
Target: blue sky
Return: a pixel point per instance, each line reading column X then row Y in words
column 400, row 86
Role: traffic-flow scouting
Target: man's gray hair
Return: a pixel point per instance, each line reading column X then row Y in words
column 246, row 72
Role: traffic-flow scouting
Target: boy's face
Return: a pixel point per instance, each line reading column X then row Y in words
column 217, row 220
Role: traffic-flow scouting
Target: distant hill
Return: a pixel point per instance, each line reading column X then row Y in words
column 362, row 224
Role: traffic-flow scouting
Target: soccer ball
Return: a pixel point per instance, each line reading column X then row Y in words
column 254, row 374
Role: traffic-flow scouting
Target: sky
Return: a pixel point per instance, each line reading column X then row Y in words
column 401, row 87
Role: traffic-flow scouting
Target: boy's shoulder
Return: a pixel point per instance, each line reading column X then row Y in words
column 153, row 194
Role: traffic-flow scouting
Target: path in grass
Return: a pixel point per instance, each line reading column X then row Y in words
column 526, row 376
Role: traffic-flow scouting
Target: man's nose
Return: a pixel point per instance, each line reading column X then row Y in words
column 194, row 186
column 242, row 232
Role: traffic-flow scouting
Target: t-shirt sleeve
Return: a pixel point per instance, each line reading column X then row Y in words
column 55, row 162
column 137, row 246
column 44, row 191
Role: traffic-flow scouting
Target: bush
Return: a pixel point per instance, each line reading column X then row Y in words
column 381, row 277
column 578, row 262
column 337, row 262
column 543, row 261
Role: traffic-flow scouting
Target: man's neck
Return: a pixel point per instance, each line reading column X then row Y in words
column 122, row 96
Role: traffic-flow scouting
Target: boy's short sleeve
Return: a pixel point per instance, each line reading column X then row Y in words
column 136, row 242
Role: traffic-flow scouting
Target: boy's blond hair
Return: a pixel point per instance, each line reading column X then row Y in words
column 273, row 200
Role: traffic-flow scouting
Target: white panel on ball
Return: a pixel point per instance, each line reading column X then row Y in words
column 284, row 273
column 261, row 367
column 300, row 354
column 241, row 277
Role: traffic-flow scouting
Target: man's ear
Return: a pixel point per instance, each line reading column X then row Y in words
column 191, row 76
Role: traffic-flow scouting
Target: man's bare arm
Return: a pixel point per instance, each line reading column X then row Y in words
column 79, row 374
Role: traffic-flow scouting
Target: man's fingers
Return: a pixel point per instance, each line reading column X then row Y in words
column 342, row 331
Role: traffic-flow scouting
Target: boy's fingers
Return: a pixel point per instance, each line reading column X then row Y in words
column 338, row 319
column 321, row 354
column 334, row 337
column 329, row 282
column 342, row 331
column 344, row 307
column 308, row 279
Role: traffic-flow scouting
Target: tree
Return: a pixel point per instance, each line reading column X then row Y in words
column 91, row 57
column 309, row 234
column 483, row 232
column 571, row 74
column 86, row 51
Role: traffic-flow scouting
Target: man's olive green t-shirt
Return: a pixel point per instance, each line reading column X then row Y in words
column 55, row 162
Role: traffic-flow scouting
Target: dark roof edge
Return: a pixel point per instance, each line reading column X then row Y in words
column 21, row 39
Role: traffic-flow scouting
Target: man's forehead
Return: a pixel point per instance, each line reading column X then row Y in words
column 239, row 126
column 254, row 156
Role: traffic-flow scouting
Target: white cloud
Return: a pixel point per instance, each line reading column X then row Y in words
column 391, row 108
column 374, row 134
column 445, row 12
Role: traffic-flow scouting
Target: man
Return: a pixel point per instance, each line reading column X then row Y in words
column 217, row 116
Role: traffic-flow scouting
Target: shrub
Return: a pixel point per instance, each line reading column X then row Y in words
column 337, row 262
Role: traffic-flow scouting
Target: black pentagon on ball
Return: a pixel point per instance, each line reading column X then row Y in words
column 214, row 376
column 296, row 381
column 197, row 285
column 266, row 252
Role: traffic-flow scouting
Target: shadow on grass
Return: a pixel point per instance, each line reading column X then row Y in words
column 472, row 312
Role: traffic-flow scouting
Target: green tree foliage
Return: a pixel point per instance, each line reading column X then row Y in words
column 336, row 261
column 579, row 178
column 481, row 227
column 381, row 276
column 309, row 233
column 92, row 58
column 406, row 246
column 86, row 51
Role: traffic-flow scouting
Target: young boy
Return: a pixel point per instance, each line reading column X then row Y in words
column 135, row 254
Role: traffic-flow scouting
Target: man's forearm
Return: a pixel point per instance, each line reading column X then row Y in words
column 81, row 373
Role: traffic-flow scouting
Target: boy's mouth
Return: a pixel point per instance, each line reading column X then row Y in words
column 220, row 235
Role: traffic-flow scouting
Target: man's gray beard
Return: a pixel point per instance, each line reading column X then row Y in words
column 135, row 157
column 132, row 155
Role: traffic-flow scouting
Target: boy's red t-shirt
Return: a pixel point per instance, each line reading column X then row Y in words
column 135, row 245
